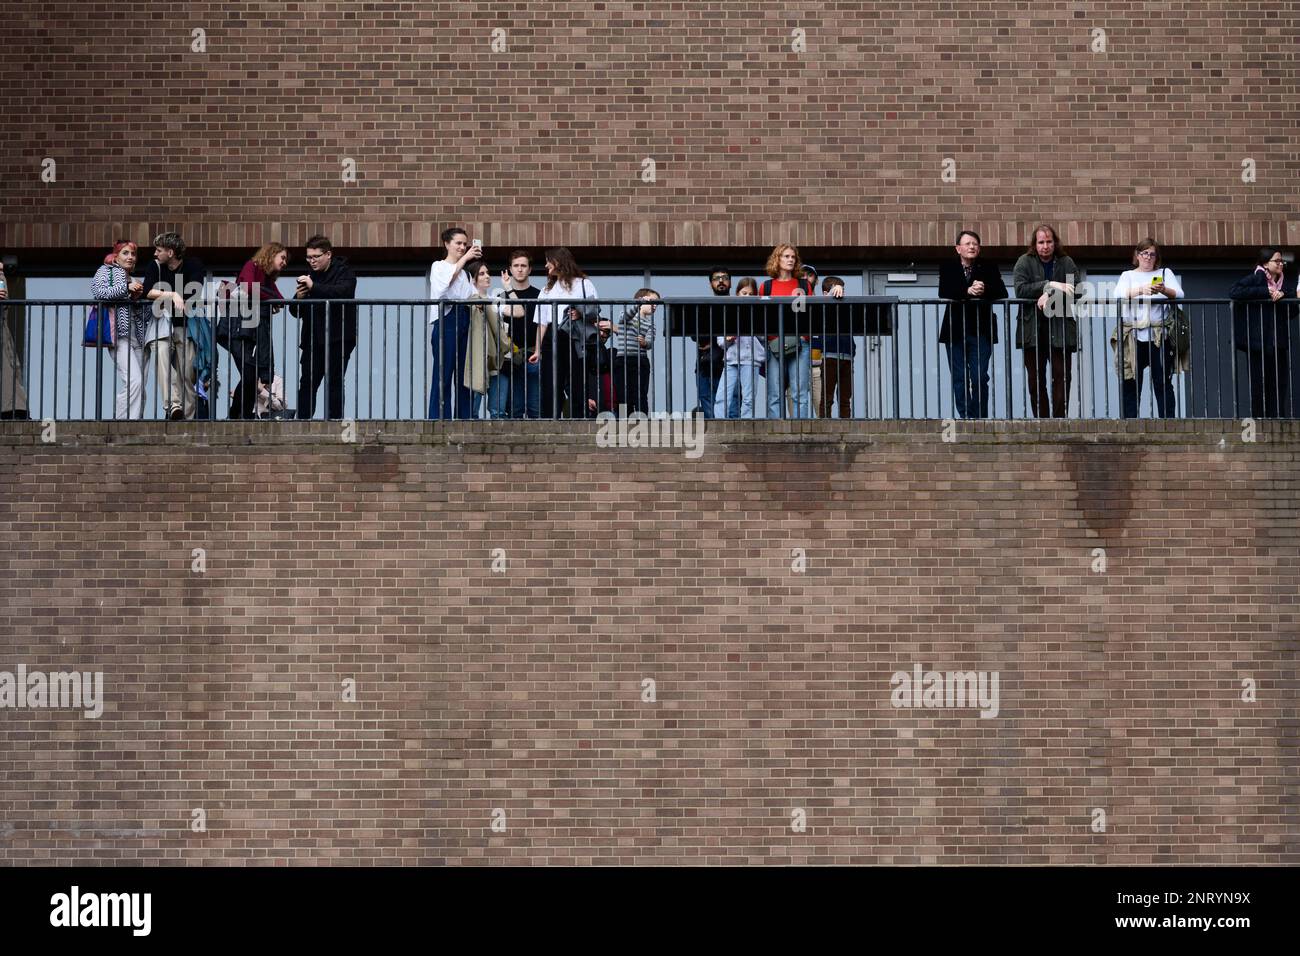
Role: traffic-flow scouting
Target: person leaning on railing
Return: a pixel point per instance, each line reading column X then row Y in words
column 790, row 365
column 838, row 352
column 1265, row 305
column 969, row 328
column 1144, row 294
column 1047, row 331
column 629, row 345
column 112, row 285
column 246, row 332
column 169, row 278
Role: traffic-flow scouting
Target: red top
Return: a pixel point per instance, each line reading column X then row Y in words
column 786, row 287
column 252, row 275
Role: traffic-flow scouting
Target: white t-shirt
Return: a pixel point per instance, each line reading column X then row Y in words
column 545, row 313
column 448, row 282
column 1144, row 311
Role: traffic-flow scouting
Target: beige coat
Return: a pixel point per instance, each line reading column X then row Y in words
column 483, row 357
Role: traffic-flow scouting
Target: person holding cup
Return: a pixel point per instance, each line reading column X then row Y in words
column 113, row 284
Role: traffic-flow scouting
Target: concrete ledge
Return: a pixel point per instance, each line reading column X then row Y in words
column 1145, row 432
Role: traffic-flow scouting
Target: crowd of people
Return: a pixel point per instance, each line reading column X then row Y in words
column 520, row 351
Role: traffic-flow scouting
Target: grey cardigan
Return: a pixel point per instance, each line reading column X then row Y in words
column 1030, row 278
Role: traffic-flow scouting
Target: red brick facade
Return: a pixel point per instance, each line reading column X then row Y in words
column 522, row 691
column 835, row 137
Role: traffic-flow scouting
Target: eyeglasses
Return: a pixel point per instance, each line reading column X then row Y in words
column 721, row 278
column 319, row 255
column 1147, row 254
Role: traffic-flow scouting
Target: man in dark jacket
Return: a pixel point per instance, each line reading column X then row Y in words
column 329, row 333
column 1264, row 310
column 969, row 327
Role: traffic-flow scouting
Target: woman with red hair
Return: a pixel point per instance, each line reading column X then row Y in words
column 112, row 283
column 790, row 364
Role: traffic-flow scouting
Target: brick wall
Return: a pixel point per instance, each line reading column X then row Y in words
column 1120, row 689
column 838, row 144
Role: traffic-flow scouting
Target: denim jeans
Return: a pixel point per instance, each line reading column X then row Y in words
column 523, row 387
column 968, row 361
column 449, row 339
column 1146, row 355
column 738, row 381
column 706, row 386
column 793, row 371
column 497, row 393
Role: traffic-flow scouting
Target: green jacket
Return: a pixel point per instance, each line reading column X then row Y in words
column 1030, row 279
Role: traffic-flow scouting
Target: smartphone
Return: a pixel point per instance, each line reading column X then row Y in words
column 479, row 243
column 1158, row 280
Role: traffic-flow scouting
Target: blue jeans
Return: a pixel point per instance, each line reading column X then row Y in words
column 968, row 361
column 793, row 371
column 498, row 389
column 450, row 341
column 523, row 387
column 739, row 380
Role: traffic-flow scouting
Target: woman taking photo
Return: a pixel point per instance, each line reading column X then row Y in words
column 1144, row 294
column 112, row 283
column 449, row 336
column 574, row 333
column 247, row 334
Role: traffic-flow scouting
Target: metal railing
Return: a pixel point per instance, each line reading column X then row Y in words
column 874, row 357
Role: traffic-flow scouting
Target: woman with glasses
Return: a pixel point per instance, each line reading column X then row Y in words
column 1144, row 293
column 1264, row 307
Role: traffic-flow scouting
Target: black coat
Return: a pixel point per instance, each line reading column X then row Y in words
column 969, row 315
column 336, row 282
column 1258, row 322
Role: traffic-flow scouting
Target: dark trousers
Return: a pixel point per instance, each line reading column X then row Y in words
column 1037, row 362
column 253, row 358
column 1269, row 371
column 837, row 375
column 324, row 356
column 632, row 382
column 556, row 357
column 968, row 362
column 1159, row 361
column 449, row 398
column 585, row 369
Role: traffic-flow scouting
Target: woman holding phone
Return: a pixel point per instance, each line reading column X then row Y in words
column 1144, row 293
column 449, row 336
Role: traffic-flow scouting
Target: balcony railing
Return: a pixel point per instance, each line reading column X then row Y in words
column 874, row 357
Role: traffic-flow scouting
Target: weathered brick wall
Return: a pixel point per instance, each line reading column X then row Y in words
column 1120, row 689
column 837, row 144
